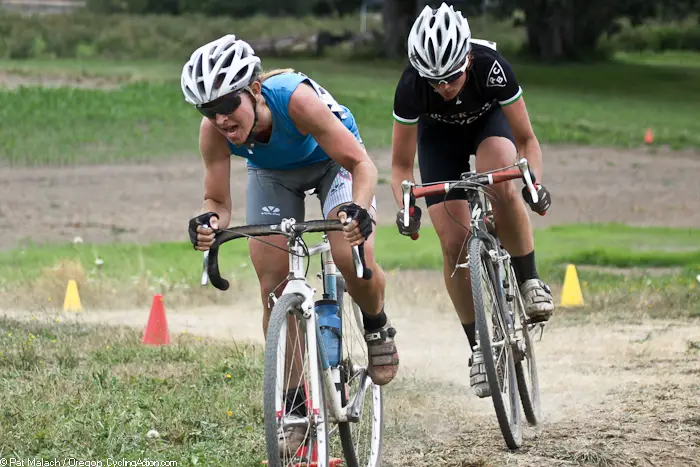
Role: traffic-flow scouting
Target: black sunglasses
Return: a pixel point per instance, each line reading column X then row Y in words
column 447, row 79
column 224, row 105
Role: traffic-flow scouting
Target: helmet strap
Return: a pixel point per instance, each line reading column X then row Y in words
column 250, row 139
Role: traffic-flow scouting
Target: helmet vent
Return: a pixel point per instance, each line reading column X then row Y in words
column 446, row 56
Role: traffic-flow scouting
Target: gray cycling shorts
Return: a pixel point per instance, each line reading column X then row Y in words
column 272, row 195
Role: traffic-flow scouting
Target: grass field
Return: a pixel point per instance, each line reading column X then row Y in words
column 590, row 104
column 665, row 260
column 96, row 393
column 600, row 245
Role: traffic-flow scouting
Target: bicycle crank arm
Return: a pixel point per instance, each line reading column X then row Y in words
column 355, row 408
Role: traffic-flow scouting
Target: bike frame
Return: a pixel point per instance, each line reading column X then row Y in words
column 477, row 226
column 506, row 274
column 297, row 284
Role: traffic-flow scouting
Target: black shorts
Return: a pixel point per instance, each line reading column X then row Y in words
column 444, row 149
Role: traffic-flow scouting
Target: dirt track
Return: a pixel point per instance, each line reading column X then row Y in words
column 613, row 393
column 153, row 202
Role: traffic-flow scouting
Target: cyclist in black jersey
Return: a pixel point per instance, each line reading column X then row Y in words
column 457, row 97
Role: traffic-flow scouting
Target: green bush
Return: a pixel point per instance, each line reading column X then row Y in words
column 654, row 36
column 166, row 37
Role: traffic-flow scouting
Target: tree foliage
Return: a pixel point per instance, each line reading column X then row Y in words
column 238, row 8
column 556, row 29
column 571, row 29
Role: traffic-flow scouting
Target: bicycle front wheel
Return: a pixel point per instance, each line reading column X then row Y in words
column 295, row 434
column 362, row 437
column 494, row 327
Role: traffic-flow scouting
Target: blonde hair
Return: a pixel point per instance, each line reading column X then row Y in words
column 271, row 73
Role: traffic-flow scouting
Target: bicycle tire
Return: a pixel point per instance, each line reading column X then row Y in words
column 352, row 457
column 278, row 318
column 480, row 262
column 526, row 368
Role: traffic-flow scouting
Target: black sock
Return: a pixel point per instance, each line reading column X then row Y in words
column 470, row 331
column 374, row 322
column 524, row 267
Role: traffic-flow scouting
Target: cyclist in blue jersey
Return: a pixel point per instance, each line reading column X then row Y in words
column 296, row 138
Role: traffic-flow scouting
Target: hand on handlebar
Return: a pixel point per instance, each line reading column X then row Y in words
column 544, row 200
column 408, row 223
column 414, row 216
column 201, row 230
column 360, row 228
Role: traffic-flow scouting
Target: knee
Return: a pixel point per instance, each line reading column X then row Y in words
column 271, row 277
column 506, row 193
column 454, row 248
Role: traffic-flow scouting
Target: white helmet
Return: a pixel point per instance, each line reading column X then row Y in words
column 439, row 42
column 220, row 67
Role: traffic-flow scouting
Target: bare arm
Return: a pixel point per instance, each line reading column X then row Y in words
column 525, row 138
column 403, row 154
column 311, row 115
column 217, row 172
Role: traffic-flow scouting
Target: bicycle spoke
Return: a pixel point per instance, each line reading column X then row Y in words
column 291, row 429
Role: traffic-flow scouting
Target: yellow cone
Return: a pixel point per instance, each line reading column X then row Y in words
column 571, row 293
column 72, row 300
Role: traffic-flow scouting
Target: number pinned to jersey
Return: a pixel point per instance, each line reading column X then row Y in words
column 496, row 76
column 327, row 98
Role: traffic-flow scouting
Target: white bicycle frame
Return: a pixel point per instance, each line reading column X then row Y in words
column 298, row 285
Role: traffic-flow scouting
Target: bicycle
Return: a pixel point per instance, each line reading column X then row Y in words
column 507, row 348
column 334, row 387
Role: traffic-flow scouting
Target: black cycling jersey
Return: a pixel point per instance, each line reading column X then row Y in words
column 490, row 83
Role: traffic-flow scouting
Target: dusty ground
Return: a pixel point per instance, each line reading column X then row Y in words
column 614, row 393
column 15, row 80
column 153, row 202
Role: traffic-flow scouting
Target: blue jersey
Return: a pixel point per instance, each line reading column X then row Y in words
column 287, row 147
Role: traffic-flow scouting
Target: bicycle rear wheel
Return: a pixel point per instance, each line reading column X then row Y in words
column 294, row 433
column 361, row 438
column 494, row 326
column 525, row 363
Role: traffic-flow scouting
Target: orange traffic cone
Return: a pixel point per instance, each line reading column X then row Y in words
column 156, row 332
column 648, row 136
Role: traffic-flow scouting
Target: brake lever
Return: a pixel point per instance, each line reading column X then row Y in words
column 361, row 271
column 406, row 189
column 357, row 261
column 205, row 275
column 205, row 259
column 525, row 170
